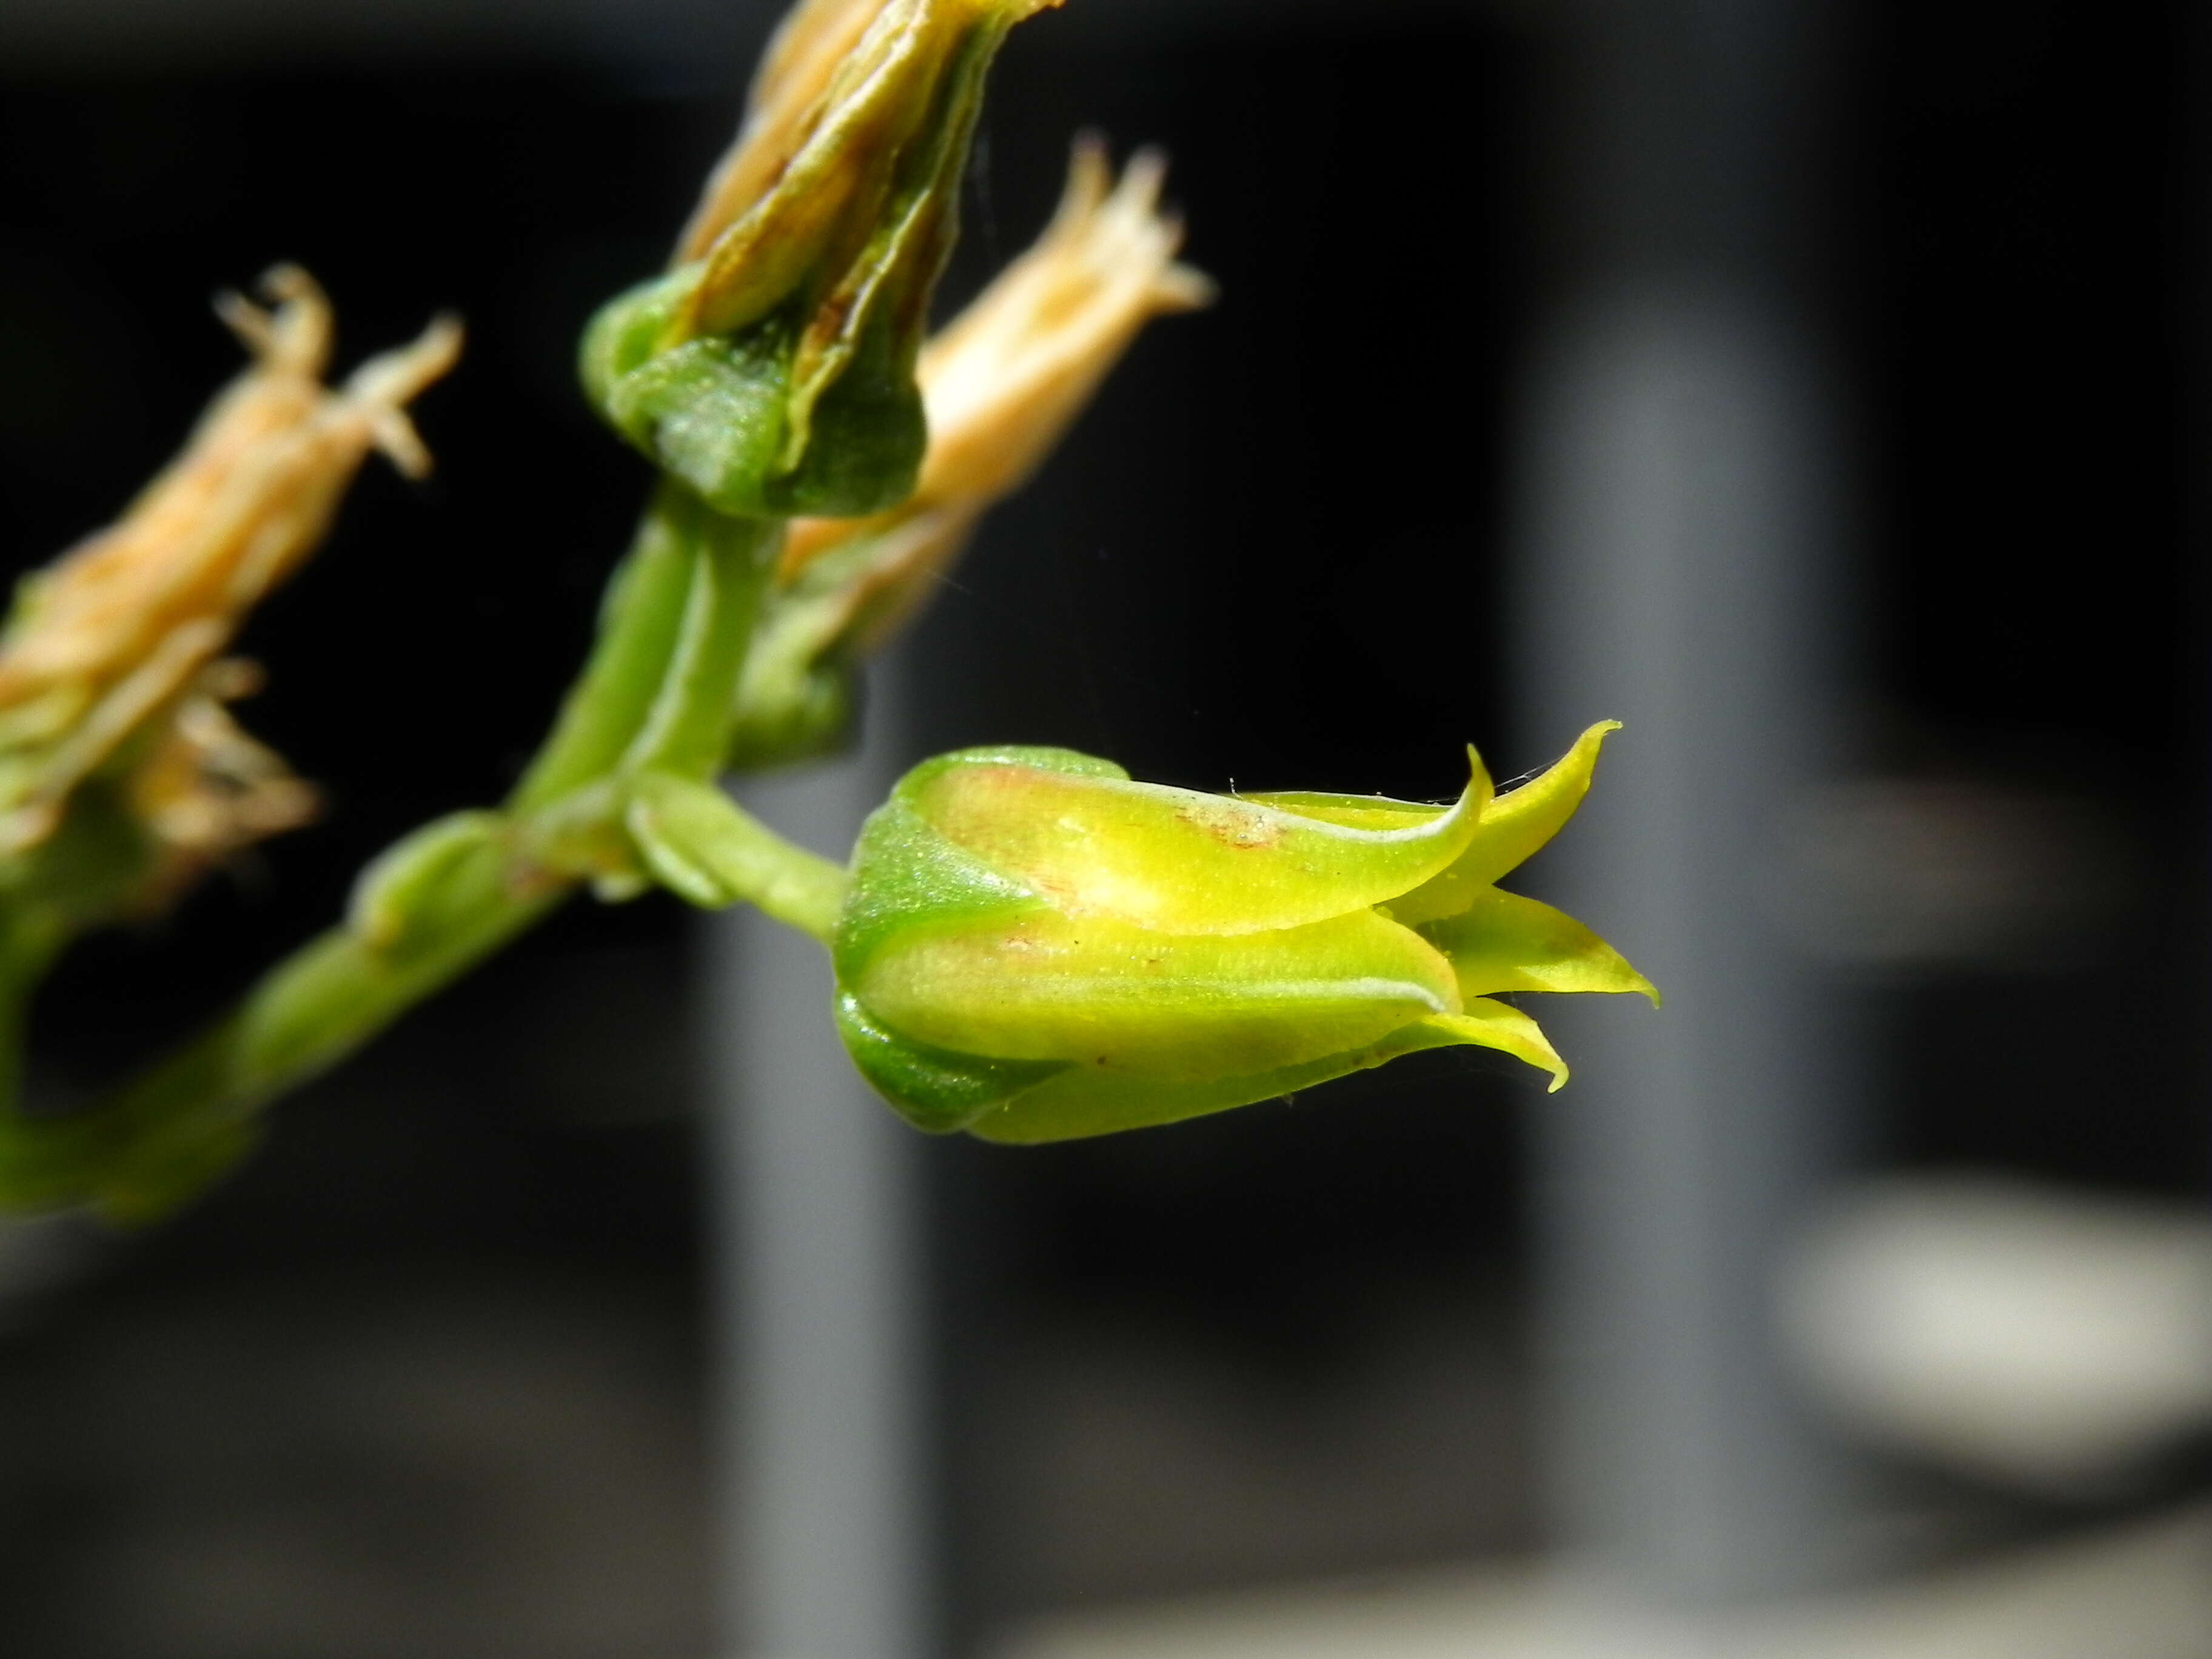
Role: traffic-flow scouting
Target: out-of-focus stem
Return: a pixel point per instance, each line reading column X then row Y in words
column 686, row 725
column 638, row 621
column 655, row 699
column 706, row 848
column 28, row 945
column 302, row 1017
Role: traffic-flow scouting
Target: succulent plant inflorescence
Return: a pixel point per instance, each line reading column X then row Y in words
column 1028, row 945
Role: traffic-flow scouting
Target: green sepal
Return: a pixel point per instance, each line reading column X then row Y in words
column 860, row 447
column 906, row 874
column 717, row 410
column 933, row 1089
column 710, row 411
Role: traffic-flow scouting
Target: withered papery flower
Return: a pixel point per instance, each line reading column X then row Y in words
column 112, row 643
column 785, row 106
column 205, row 789
column 771, row 370
column 1001, row 383
column 1005, row 379
column 858, row 106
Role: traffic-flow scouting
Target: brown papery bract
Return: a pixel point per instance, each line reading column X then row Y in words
column 1004, row 381
column 110, row 638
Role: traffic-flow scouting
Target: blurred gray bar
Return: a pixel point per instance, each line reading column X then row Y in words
column 1678, row 572
column 1679, row 514
column 2193, row 213
column 830, row 1524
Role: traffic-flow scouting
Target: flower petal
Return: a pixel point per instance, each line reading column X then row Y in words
column 1521, row 820
column 1514, row 825
column 936, row 1090
column 1487, row 1024
column 1503, row 942
column 1177, row 861
column 1132, row 1001
column 1082, row 1101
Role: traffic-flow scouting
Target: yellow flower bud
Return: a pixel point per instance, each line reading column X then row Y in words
column 1034, row 947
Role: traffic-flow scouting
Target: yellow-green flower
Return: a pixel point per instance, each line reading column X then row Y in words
column 1034, row 947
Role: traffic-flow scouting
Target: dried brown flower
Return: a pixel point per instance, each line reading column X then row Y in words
column 113, row 643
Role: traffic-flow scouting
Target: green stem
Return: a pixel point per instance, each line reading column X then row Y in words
column 639, row 626
column 36, row 1156
column 686, row 727
column 706, row 848
column 187, row 1118
column 791, row 885
column 655, row 703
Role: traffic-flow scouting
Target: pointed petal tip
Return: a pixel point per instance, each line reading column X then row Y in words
column 1523, row 818
column 1583, row 752
column 1481, row 789
column 1588, row 741
column 1487, row 1024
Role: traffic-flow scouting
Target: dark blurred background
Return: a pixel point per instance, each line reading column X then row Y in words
column 425, row 1377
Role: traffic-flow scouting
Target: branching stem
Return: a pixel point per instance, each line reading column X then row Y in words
column 621, row 792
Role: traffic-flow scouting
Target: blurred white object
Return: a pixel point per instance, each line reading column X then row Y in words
column 2137, row 1592
column 2048, row 1341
